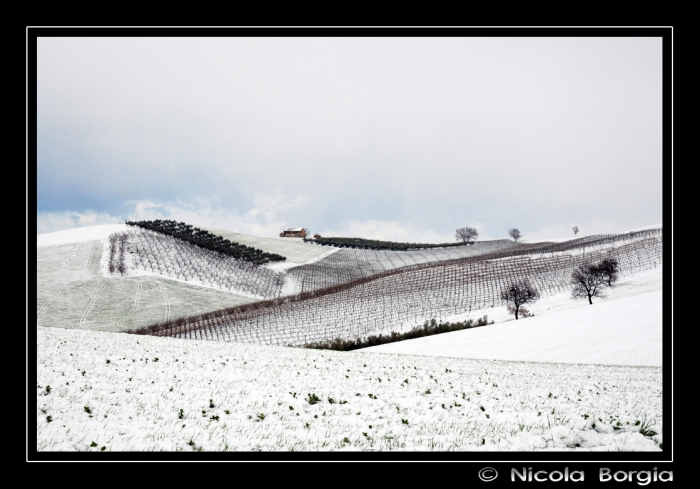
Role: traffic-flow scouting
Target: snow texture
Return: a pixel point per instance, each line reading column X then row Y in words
column 622, row 331
column 103, row 391
column 100, row 391
column 294, row 249
column 397, row 302
column 349, row 264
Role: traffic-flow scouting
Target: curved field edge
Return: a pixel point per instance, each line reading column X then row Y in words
column 101, row 391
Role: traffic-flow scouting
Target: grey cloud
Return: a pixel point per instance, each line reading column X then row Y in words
column 434, row 133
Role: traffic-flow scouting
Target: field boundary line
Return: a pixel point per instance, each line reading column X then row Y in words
column 137, row 297
column 165, row 298
column 92, row 251
column 46, row 302
column 90, row 306
column 321, row 257
column 73, row 253
column 51, row 297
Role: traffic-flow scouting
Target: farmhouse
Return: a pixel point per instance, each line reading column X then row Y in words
column 293, row 233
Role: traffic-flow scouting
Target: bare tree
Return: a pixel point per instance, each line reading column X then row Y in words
column 588, row 280
column 514, row 233
column 575, row 230
column 610, row 269
column 465, row 234
column 519, row 293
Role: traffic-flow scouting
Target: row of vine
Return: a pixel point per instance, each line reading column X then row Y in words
column 205, row 239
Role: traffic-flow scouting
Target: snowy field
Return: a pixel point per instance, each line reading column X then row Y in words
column 100, row 391
column 75, row 288
column 75, row 291
column 625, row 328
column 296, row 251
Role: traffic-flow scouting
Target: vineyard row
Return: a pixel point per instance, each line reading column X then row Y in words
column 399, row 299
column 178, row 259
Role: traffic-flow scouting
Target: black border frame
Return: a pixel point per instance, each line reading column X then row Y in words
column 501, row 460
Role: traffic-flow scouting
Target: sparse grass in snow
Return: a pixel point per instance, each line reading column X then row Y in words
column 220, row 396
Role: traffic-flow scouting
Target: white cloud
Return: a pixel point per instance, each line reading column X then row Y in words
column 561, row 231
column 435, row 132
column 389, row 231
column 264, row 219
column 396, row 231
column 48, row 222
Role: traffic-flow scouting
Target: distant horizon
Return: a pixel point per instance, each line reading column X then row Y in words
column 522, row 240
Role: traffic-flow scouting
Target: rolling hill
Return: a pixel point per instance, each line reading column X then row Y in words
column 572, row 378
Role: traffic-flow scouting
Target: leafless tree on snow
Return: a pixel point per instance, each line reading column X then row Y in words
column 588, row 281
column 466, row 233
column 519, row 293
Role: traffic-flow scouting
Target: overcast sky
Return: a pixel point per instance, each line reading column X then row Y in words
column 389, row 138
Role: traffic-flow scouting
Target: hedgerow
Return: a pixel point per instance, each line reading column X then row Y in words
column 428, row 328
column 373, row 244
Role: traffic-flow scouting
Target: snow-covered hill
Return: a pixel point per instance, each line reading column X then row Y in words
column 294, row 249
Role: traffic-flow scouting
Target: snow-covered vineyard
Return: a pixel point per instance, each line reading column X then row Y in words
column 347, row 264
column 404, row 297
column 174, row 258
column 113, row 392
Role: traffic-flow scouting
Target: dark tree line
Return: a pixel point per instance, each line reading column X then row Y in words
column 429, row 328
column 205, row 239
column 374, row 244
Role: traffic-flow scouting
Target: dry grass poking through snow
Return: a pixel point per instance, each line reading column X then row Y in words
column 115, row 392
